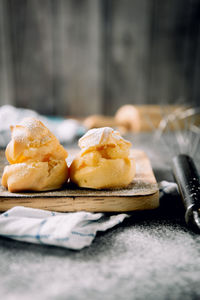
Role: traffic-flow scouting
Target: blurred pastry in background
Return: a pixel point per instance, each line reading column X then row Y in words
column 37, row 160
column 128, row 119
column 104, row 161
column 134, row 118
column 97, row 121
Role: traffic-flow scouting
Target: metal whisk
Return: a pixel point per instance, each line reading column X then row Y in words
column 187, row 138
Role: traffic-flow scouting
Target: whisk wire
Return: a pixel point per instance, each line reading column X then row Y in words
column 187, row 139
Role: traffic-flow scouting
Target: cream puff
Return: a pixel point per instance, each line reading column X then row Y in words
column 38, row 161
column 104, row 161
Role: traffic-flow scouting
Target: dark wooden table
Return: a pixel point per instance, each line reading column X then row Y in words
column 152, row 255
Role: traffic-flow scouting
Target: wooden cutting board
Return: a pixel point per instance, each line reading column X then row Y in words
column 141, row 194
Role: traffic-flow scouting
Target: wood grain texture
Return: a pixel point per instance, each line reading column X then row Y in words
column 174, row 51
column 168, row 34
column 30, row 35
column 126, row 53
column 72, row 57
column 55, row 57
column 6, row 78
column 77, row 57
column 141, row 194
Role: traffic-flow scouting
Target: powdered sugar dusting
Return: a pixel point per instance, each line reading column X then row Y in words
column 31, row 123
column 18, row 134
column 101, row 136
column 31, row 131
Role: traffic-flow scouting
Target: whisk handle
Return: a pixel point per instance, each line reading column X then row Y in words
column 187, row 178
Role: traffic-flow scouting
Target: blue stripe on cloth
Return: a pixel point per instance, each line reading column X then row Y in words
column 83, row 234
column 89, row 222
column 38, row 236
column 62, row 239
column 25, row 236
column 5, row 214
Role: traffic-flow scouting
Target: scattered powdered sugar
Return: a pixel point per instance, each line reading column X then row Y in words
column 149, row 261
column 141, row 260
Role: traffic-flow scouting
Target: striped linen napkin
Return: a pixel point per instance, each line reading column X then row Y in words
column 70, row 230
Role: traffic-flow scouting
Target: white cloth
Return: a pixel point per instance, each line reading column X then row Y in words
column 70, row 230
column 167, row 189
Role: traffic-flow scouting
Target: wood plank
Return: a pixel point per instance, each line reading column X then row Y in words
column 126, row 53
column 90, row 204
column 56, row 55
column 173, row 49
column 141, row 194
column 32, row 54
column 72, row 57
column 77, row 57
column 6, row 76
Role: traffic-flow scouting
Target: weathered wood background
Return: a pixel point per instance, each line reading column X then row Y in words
column 79, row 57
